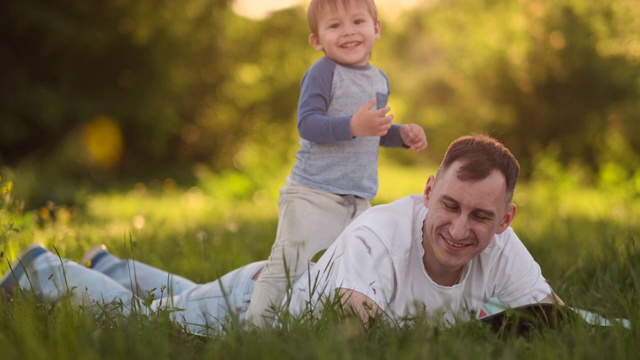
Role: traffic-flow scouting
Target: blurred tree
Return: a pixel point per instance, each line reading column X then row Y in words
column 95, row 90
column 256, row 103
column 541, row 75
column 144, row 64
column 569, row 88
column 179, row 82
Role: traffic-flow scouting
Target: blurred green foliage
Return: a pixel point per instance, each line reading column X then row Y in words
column 99, row 92
column 559, row 77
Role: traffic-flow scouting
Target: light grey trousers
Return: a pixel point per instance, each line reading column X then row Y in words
column 200, row 308
column 309, row 221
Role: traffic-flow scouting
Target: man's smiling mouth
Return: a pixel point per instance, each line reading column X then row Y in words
column 455, row 245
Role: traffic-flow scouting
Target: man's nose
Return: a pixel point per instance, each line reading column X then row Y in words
column 459, row 228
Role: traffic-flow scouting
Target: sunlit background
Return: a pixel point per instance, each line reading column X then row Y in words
column 257, row 9
column 112, row 93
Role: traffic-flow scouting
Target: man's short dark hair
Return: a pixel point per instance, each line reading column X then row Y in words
column 481, row 154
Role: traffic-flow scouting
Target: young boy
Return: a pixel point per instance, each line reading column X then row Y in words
column 342, row 120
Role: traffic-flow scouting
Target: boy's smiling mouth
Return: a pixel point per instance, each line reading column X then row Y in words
column 350, row 44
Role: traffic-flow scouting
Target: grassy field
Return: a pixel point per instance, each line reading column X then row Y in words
column 586, row 241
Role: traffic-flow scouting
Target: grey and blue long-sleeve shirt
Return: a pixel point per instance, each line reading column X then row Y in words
column 329, row 158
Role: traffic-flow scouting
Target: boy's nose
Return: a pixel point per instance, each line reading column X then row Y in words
column 348, row 30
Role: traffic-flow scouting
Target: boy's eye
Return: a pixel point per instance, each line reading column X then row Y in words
column 334, row 26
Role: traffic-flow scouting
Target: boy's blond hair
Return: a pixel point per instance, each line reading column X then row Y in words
column 318, row 6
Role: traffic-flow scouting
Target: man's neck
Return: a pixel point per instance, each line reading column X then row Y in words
column 438, row 274
column 444, row 278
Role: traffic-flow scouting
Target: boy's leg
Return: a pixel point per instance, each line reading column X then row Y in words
column 142, row 279
column 309, row 221
column 208, row 308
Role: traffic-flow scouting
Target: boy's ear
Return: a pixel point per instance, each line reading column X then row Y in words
column 315, row 42
column 378, row 29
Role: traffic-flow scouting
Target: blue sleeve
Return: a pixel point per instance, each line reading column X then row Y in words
column 315, row 96
column 392, row 138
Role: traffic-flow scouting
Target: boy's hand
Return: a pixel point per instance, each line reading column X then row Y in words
column 371, row 123
column 413, row 136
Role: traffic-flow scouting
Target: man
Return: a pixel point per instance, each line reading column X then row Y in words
column 445, row 253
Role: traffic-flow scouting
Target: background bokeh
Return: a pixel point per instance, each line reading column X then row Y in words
column 109, row 93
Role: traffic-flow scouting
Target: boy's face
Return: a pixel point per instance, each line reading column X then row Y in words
column 347, row 36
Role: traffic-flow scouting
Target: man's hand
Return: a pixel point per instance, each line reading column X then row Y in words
column 371, row 123
column 414, row 137
column 360, row 304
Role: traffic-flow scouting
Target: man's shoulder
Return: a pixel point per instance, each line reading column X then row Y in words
column 393, row 223
column 398, row 208
column 503, row 244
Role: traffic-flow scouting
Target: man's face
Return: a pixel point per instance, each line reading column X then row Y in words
column 463, row 217
column 347, row 36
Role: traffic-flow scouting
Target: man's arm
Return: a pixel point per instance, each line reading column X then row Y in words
column 360, row 304
column 553, row 299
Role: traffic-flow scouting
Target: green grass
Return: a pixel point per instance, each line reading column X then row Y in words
column 586, row 240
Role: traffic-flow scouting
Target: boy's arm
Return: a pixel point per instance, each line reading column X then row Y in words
column 411, row 136
column 315, row 125
column 392, row 138
column 313, row 122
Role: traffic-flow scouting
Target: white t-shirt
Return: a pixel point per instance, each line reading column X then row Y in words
column 380, row 255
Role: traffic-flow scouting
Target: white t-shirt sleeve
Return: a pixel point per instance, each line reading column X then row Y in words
column 366, row 267
column 518, row 278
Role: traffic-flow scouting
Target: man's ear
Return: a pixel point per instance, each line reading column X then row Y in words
column 507, row 218
column 315, row 42
column 428, row 189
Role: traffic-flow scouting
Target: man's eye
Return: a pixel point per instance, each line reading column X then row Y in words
column 449, row 206
column 482, row 218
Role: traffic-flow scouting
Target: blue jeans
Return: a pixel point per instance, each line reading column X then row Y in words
column 200, row 308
